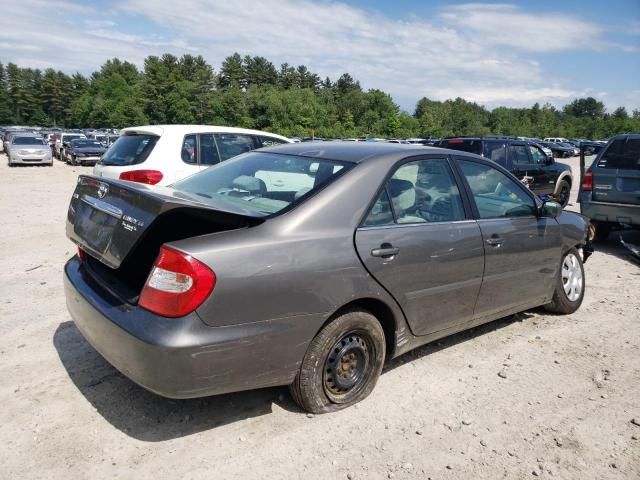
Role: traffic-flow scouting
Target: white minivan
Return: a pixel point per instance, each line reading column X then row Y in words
column 162, row 154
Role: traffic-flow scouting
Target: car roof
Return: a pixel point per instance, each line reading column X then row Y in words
column 356, row 152
column 159, row 130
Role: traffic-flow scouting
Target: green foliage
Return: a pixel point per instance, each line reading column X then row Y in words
column 290, row 100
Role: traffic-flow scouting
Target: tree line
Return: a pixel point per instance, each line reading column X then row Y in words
column 252, row 92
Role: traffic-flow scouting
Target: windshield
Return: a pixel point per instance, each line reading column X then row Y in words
column 261, row 182
column 129, row 150
column 86, row 143
column 27, row 141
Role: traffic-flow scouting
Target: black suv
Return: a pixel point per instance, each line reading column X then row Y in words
column 523, row 158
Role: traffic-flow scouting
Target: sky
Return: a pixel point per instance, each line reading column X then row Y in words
column 512, row 54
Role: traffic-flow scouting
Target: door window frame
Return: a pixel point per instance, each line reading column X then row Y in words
column 467, row 206
column 476, row 213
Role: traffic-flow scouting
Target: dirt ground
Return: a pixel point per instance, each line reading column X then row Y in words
column 565, row 409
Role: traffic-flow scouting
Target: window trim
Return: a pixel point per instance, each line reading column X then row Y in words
column 467, row 187
column 467, row 207
column 196, row 149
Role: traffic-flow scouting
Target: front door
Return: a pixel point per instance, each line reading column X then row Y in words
column 522, row 250
column 420, row 244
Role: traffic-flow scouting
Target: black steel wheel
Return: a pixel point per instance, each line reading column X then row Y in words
column 342, row 364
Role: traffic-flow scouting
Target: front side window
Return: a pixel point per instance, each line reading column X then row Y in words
column 240, row 182
column 232, row 144
column 537, row 155
column 495, row 194
column 518, row 154
column 188, row 152
column 422, row 191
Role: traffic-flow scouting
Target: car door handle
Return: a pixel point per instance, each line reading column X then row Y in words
column 386, row 250
column 494, row 241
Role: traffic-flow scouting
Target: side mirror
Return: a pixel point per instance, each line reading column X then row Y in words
column 550, row 209
column 549, row 160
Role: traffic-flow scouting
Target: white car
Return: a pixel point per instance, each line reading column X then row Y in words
column 163, row 154
column 556, row 140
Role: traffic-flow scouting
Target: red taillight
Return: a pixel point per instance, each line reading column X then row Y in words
column 587, row 181
column 177, row 284
column 150, row 177
column 81, row 254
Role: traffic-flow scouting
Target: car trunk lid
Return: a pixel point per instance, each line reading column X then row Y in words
column 121, row 226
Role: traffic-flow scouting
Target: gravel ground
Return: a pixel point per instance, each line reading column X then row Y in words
column 564, row 404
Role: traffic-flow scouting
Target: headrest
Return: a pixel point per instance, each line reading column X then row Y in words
column 250, row 184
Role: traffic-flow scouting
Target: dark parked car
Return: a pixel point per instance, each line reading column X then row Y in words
column 366, row 251
column 610, row 193
column 524, row 158
column 84, row 152
column 559, row 150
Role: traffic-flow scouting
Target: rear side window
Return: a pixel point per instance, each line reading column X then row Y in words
column 464, row 145
column 129, row 150
column 496, row 152
column 623, row 154
column 208, row 150
column 232, row 144
column 188, row 152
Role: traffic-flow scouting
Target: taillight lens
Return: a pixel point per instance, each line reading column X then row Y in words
column 587, row 181
column 81, row 254
column 150, row 177
column 177, row 284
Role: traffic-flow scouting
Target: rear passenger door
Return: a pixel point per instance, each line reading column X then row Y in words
column 522, row 250
column 420, row 244
column 189, row 155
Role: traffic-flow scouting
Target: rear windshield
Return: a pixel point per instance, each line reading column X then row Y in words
column 27, row 141
column 129, row 150
column 471, row 146
column 262, row 183
column 623, row 154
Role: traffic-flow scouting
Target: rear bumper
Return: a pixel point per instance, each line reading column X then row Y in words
column 621, row 213
column 183, row 357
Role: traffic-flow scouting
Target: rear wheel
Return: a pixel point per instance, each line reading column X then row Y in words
column 342, row 364
column 569, row 291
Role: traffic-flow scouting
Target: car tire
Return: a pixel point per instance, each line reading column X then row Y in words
column 564, row 192
column 570, row 285
column 342, row 363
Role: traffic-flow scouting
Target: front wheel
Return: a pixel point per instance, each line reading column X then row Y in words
column 342, row 364
column 569, row 291
column 564, row 193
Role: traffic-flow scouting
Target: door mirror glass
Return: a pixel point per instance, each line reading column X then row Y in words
column 551, row 209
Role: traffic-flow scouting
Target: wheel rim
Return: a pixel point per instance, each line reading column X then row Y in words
column 347, row 369
column 572, row 277
column 564, row 196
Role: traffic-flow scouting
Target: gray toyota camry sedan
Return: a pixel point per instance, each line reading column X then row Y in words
column 309, row 265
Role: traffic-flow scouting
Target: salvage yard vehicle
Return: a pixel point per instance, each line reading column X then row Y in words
column 223, row 283
column 62, row 142
column 28, row 150
column 610, row 191
column 559, row 150
column 162, row 154
column 524, row 158
column 84, row 152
